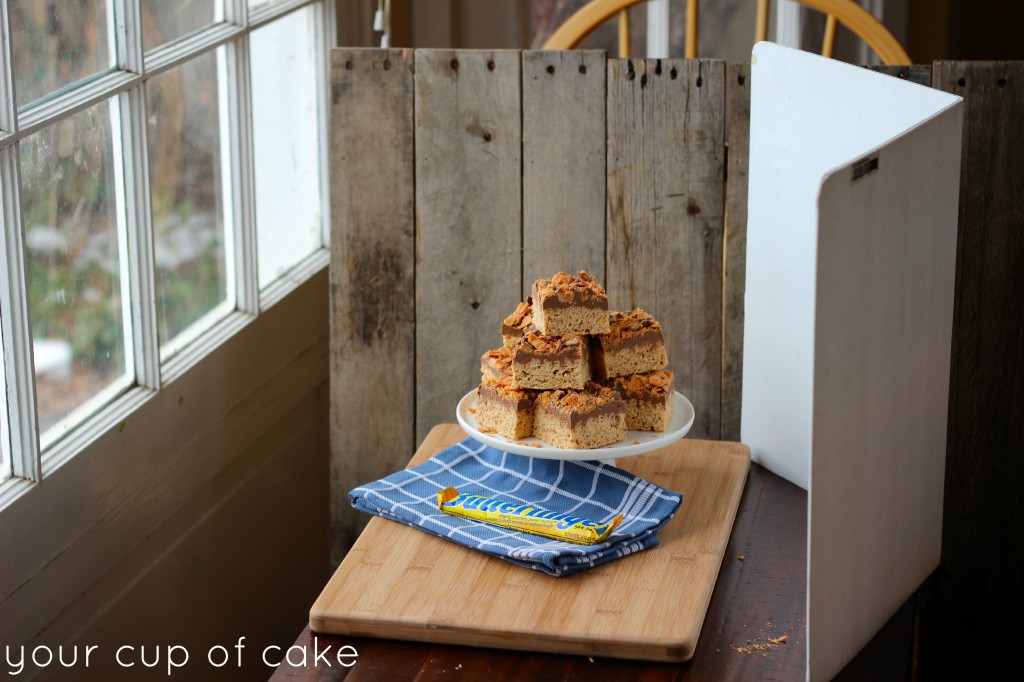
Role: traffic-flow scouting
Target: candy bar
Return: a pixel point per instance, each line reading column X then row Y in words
column 528, row 518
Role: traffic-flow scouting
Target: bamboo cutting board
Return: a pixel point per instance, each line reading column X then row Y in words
column 400, row 583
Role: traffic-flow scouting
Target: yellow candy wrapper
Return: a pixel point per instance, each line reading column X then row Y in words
column 528, row 518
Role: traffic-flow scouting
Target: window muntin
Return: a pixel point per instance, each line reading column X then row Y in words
column 286, row 143
column 75, row 264
column 57, row 44
column 257, row 4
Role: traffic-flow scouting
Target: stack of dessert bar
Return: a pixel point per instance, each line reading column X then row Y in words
column 571, row 373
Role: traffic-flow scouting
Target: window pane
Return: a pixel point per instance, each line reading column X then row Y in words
column 74, row 263
column 58, row 43
column 187, row 197
column 166, row 20
column 286, row 140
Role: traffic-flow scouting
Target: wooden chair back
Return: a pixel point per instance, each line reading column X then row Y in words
column 861, row 22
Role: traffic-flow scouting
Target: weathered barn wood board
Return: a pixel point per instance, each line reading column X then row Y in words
column 666, row 197
column 737, row 134
column 468, row 218
column 983, row 513
column 563, row 163
column 372, row 313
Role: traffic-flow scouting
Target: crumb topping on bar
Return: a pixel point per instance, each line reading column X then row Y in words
column 570, row 289
column 535, row 342
column 520, row 320
column 656, row 384
column 500, row 359
column 593, row 399
column 502, row 387
column 629, row 325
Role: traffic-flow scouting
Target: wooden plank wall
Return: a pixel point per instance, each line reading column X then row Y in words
column 372, row 296
column 737, row 134
column 468, row 217
column 666, row 155
column 563, row 163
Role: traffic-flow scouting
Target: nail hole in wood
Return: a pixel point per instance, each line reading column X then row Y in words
column 643, row 81
column 583, row 68
column 630, row 71
column 455, row 65
column 961, row 82
column 348, row 65
column 551, row 68
column 700, row 81
column 488, row 137
column 1001, row 82
column 657, row 68
column 673, row 73
column 490, row 65
column 387, row 64
column 741, row 79
column 475, row 304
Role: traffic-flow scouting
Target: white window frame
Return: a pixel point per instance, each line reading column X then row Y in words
column 154, row 367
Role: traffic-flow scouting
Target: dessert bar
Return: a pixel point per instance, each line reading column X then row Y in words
column 549, row 362
column 580, row 420
column 505, row 410
column 495, row 364
column 634, row 344
column 649, row 398
column 570, row 305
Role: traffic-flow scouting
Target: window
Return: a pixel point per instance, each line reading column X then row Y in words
column 161, row 175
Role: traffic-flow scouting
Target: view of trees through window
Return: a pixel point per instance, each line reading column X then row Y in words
column 55, row 44
column 183, row 125
column 165, row 20
column 73, row 260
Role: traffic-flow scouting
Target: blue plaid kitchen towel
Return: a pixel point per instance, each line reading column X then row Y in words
column 590, row 490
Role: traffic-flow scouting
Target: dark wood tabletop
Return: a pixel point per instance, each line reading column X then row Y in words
column 754, row 629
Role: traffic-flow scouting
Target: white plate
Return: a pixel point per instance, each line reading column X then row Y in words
column 636, row 442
